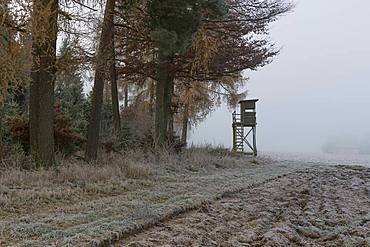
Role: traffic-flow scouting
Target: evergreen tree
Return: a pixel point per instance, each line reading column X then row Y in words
column 69, row 88
column 173, row 24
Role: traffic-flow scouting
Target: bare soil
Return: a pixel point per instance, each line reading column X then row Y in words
column 316, row 207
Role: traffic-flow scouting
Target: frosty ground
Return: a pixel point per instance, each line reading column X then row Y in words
column 197, row 198
column 316, row 207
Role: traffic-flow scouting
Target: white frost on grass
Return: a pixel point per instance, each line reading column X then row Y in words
column 64, row 210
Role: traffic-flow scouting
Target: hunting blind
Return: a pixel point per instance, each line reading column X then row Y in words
column 245, row 122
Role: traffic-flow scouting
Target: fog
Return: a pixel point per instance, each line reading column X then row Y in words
column 317, row 89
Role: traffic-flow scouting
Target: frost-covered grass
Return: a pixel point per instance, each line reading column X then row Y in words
column 77, row 203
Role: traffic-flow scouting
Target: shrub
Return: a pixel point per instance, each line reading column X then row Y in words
column 137, row 127
column 66, row 138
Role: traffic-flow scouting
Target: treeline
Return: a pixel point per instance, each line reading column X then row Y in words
column 170, row 61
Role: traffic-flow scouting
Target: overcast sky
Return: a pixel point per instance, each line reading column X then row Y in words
column 317, row 88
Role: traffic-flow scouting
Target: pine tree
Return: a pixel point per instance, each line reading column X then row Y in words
column 173, row 23
column 69, row 88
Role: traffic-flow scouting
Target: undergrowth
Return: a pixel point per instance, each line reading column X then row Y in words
column 112, row 173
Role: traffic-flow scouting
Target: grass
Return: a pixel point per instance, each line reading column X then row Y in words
column 78, row 203
column 74, row 179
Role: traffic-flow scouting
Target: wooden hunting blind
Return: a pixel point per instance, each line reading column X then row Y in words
column 245, row 122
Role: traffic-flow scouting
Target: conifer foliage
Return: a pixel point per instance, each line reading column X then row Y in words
column 161, row 64
column 173, row 24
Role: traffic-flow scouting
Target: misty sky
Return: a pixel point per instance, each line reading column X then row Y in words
column 317, row 88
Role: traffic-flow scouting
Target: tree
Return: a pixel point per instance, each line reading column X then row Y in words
column 102, row 57
column 188, row 54
column 69, row 87
column 15, row 49
column 113, row 81
column 7, row 70
column 185, row 124
column 220, row 49
column 173, row 23
column 44, row 37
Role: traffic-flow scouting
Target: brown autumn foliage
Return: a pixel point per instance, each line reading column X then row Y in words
column 14, row 48
column 213, row 69
column 66, row 139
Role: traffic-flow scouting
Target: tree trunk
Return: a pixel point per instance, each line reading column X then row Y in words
column 126, row 95
column 97, row 97
column 163, row 100
column 151, row 97
column 170, row 128
column 115, row 101
column 106, row 92
column 1, row 130
column 113, row 82
column 185, row 121
column 44, row 17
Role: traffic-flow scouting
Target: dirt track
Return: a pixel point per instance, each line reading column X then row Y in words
column 318, row 207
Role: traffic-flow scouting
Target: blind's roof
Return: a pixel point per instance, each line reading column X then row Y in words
column 248, row 100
